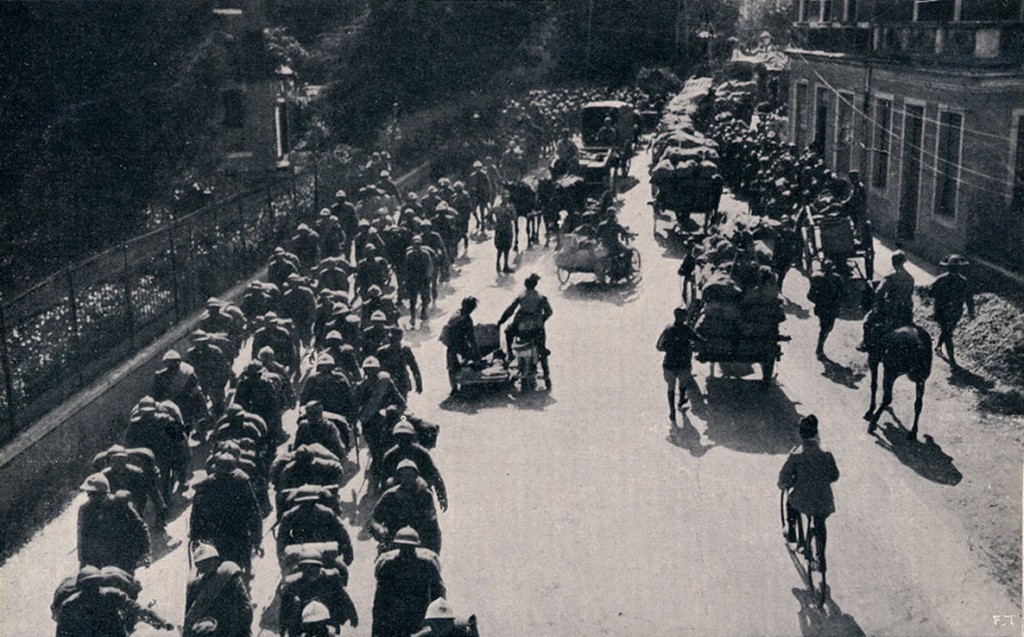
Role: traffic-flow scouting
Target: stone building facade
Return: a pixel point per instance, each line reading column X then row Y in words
column 926, row 100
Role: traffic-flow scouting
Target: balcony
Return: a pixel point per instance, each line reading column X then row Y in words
column 972, row 44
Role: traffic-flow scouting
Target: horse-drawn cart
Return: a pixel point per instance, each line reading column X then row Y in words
column 837, row 238
column 580, row 253
column 684, row 197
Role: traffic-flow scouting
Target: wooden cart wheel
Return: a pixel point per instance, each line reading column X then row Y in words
column 563, row 276
column 634, row 261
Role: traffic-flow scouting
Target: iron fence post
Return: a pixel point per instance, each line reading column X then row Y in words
column 129, row 311
column 295, row 200
column 191, row 287
column 174, row 272
column 76, row 350
column 12, row 410
column 242, row 235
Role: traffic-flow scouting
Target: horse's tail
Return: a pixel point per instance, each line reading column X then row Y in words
column 922, row 368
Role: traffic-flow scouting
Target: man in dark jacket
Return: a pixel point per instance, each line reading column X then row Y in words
column 951, row 292
column 408, row 580
column 213, row 368
column 676, row 341
column 143, row 485
column 218, row 592
column 309, row 521
column 177, row 382
column 331, row 388
column 314, row 428
column 313, row 582
column 419, row 272
column 348, row 217
column 827, row 293
column 397, row 359
column 807, row 476
column 459, row 337
column 406, row 448
column 225, row 513
column 259, row 394
column 408, row 503
column 110, row 531
column 94, row 610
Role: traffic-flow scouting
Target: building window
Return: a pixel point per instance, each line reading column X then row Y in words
column 882, row 128
column 933, row 10
column 844, row 133
column 947, row 172
column 821, row 98
column 234, row 108
column 800, row 115
column 813, row 11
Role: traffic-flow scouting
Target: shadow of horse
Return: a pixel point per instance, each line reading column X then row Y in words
column 841, row 374
column 926, row 459
column 751, row 417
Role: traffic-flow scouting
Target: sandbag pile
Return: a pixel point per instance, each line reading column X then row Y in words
column 741, row 301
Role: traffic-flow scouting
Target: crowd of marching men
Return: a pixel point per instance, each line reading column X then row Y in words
column 333, row 296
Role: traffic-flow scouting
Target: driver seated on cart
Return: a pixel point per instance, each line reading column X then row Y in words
column 533, row 312
column 611, row 233
column 567, row 155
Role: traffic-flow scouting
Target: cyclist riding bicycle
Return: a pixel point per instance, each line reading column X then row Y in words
column 807, row 476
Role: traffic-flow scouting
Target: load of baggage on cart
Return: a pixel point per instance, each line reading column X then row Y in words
column 738, row 308
column 684, row 163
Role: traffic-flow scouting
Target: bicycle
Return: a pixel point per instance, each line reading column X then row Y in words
column 811, row 546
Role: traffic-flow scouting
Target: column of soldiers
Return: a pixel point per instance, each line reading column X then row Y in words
column 333, row 297
column 783, row 183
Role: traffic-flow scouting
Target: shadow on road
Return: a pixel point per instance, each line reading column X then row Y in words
column 841, row 374
column 927, row 458
column 619, row 294
column 687, row 437
column 627, row 183
column 472, row 400
column 795, row 309
column 747, row 416
column 824, row 620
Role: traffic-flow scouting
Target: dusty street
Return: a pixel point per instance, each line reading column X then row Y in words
column 583, row 512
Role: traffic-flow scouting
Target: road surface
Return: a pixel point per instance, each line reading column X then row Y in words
column 583, row 511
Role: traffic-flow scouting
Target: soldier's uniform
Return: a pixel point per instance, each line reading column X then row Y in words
column 218, row 593
column 110, row 530
column 313, row 583
column 308, row 522
column 406, row 504
column 226, row 514
column 408, row 580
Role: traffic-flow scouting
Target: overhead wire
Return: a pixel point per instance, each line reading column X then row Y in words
column 933, row 166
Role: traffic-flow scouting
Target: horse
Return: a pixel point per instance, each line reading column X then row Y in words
column 555, row 196
column 523, row 197
column 903, row 350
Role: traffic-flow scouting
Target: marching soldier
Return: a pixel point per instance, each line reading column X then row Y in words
column 110, row 531
column 408, row 503
column 217, row 595
column 408, row 580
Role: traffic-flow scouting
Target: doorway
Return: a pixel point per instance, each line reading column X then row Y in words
column 913, row 129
